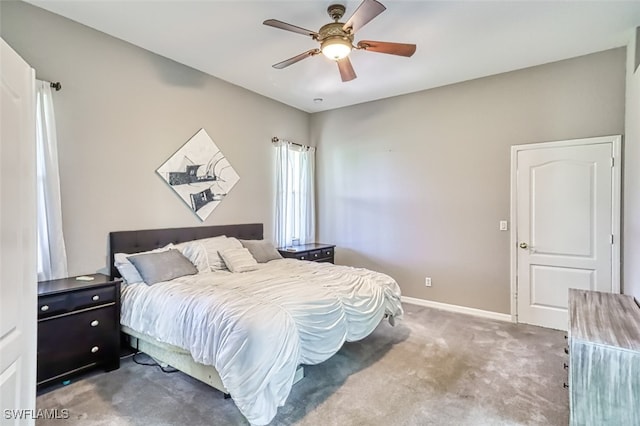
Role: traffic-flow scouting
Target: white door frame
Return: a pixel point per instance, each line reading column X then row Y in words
column 616, row 140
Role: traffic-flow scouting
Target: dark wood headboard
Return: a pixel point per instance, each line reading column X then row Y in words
column 149, row 239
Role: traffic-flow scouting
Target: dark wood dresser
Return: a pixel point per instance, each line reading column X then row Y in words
column 604, row 359
column 78, row 327
column 314, row 252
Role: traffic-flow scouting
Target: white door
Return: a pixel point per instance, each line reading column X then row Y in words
column 566, row 223
column 18, row 287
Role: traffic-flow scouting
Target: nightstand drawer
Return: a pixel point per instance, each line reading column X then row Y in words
column 52, row 305
column 315, row 254
column 327, row 252
column 76, row 341
column 57, row 304
column 93, row 297
column 303, row 256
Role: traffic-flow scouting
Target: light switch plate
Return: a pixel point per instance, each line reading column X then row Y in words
column 504, row 225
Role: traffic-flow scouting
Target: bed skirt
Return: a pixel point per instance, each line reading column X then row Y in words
column 180, row 359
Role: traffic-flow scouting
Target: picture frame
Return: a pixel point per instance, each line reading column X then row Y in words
column 200, row 174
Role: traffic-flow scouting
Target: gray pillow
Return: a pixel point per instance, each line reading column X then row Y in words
column 261, row 250
column 162, row 266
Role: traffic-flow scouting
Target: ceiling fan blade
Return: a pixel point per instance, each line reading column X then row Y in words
column 296, row 58
column 367, row 10
column 346, row 69
column 400, row 49
column 289, row 27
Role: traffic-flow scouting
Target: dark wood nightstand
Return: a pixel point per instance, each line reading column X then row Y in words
column 314, row 252
column 78, row 327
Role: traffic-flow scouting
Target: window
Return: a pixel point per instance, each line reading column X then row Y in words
column 295, row 196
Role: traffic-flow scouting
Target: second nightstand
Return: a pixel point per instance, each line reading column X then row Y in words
column 78, row 327
column 315, row 252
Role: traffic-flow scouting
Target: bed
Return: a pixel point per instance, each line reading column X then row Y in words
column 247, row 334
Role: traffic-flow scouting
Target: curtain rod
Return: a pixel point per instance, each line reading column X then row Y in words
column 275, row 139
column 54, row 85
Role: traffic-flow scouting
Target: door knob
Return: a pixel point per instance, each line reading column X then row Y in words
column 523, row 245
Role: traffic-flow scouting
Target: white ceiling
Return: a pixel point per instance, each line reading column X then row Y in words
column 456, row 40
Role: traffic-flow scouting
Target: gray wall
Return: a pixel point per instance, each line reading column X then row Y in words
column 631, row 273
column 415, row 186
column 122, row 112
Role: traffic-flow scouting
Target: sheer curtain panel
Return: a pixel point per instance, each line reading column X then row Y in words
column 52, row 255
column 295, row 194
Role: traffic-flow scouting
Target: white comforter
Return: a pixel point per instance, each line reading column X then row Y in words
column 256, row 327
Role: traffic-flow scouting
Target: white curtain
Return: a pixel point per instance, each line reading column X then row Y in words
column 52, row 255
column 295, row 194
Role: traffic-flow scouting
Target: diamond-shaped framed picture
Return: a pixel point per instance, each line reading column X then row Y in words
column 200, row 174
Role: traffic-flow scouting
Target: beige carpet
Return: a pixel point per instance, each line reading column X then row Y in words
column 433, row 368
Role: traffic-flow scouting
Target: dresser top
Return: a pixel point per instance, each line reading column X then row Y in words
column 306, row 247
column 604, row 318
column 72, row 283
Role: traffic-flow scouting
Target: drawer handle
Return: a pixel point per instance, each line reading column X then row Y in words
column 94, row 323
column 44, row 308
column 301, row 257
column 94, row 349
column 95, row 298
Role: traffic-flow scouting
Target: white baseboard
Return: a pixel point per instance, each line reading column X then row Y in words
column 457, row 308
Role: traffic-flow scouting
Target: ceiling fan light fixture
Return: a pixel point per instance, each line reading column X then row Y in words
column 336, row 38
column 336, row 48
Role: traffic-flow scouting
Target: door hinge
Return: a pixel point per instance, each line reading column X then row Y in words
column 612, row 161
column 611, row 238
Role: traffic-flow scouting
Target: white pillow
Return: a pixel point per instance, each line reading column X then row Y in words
column 196, row 253
column 213, row 246
column 128, row 272
column 239, row 260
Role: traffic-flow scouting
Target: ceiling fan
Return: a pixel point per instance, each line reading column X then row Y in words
column 336, row 38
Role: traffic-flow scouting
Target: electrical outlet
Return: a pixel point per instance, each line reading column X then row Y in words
column 427, row 281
